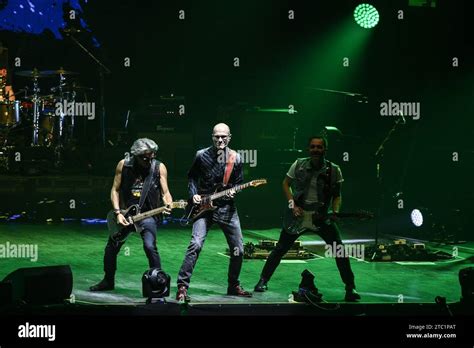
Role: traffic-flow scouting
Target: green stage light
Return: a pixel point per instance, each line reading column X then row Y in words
column 366, row 16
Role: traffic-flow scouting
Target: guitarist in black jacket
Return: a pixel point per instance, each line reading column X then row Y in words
column 207, row 172
column 131, row 177
column 316, row 184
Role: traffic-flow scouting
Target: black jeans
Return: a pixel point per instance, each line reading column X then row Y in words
column 233, row 235
column 329, row 233
column 148, row 234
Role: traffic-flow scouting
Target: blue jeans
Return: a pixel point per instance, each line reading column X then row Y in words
column 148, row 233
column 233, row 235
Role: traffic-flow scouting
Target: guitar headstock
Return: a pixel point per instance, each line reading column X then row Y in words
column 258, row 182
column 181, row 204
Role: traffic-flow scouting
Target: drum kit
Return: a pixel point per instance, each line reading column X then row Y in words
column 34, row 119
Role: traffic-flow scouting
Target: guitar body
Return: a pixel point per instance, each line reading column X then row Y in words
column 299, row 224
column 196, row 211
column 312, row 220
column 117, row 232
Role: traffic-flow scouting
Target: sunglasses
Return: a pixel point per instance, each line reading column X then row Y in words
column 224, row 137
column 316, row 146
column 147, row 158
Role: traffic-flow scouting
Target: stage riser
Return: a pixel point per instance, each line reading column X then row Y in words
column 283, row 309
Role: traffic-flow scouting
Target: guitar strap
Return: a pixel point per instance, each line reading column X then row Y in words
column 329, row 178
column 229, row 167
column 147, row 184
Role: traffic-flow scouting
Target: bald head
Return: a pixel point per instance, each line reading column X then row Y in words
column 221, row 135
column 221, row 128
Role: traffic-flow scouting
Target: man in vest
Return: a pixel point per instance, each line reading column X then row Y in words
column 207, row 171
column 130, row 179
column 312, row 184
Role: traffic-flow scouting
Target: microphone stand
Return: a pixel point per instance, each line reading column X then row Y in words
column 102, row 70
column 379, row 171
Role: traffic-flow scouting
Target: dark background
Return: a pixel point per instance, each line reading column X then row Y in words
column 281, row 62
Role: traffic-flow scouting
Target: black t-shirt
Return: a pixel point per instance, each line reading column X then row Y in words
column 132, row 181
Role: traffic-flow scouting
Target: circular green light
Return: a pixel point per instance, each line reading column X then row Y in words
column 366, row 16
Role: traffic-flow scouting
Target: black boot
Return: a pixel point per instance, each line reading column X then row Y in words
column 351, row 295
column 103, row 285
column 261, row 286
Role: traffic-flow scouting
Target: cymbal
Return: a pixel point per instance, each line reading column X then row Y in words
column 60, row 71
column 35, row 73
column 74, row 87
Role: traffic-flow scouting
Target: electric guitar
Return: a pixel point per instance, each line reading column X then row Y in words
column 120, row 233
column 309, row 220
column 195, row 211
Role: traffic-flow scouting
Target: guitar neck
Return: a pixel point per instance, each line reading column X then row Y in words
column 225, row 192
column 148, row 214
column 344, row 215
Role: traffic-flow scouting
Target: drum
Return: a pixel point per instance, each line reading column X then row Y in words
column 46, row 120
column 9, row 113
column 48, row 106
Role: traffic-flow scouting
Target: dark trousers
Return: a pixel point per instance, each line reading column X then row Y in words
column 233, row 235
column 329, row 233
column 148, row 234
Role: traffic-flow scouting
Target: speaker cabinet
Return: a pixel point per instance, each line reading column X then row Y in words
column 40, row 285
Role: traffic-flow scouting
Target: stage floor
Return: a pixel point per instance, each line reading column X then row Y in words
column 81, row 246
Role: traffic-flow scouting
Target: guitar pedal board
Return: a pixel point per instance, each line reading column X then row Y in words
column 263, row 249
